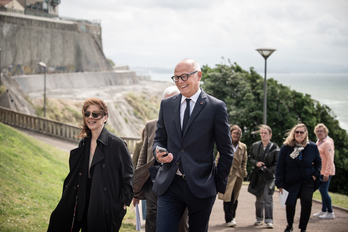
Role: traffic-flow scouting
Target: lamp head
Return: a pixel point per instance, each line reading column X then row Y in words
column 265, row 52
column 42, row 64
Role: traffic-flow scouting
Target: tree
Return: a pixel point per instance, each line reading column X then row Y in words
column 111, row 62
column 242, row 92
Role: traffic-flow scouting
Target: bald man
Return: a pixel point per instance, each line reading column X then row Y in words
column 188, row 126
column 146, row 156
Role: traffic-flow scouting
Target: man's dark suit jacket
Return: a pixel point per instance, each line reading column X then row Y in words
column 208, row 123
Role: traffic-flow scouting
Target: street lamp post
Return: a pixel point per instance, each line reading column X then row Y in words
column 41, row 64
column 265, row 52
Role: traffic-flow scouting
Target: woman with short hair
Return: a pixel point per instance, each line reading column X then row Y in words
column 235, row 179
column 327, row 153
column 263, row 157
column 99, row 186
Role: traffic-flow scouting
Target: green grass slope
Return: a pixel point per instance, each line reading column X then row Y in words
column 31, row 181
column 31, row 178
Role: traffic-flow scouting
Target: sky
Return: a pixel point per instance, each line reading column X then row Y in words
column 310, row 36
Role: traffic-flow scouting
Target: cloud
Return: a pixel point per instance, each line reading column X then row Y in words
column 156, row 32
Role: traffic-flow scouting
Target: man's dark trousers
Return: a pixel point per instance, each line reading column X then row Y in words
column 173, row 202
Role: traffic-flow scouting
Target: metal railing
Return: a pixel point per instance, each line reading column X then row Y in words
column 48, row 127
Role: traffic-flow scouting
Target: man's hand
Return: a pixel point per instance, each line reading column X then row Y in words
column 135, row 201
column 165, row 159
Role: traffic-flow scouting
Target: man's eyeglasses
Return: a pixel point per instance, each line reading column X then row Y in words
column 183, row 77
column 94, row 114
column 299, row 132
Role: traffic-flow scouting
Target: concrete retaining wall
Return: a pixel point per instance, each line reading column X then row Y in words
column 32, row 83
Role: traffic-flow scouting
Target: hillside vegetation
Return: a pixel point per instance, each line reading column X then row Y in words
column 128, row 113
column 31, row 180
column 242, row 91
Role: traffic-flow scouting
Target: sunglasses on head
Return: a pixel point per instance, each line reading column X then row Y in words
column 94, row 114
column 299, row 132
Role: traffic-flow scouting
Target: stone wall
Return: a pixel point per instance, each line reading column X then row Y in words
column 64, row 46
column 33, row 83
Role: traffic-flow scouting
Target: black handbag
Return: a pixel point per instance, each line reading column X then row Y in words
column 257, row 183
column 257, row 175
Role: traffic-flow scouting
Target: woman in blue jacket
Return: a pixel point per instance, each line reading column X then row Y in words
column 298, row 172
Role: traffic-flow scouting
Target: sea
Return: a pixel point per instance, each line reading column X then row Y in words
column 328, row 89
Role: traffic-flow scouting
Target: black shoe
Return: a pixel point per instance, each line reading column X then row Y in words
column 288, row 229
column 303, row 230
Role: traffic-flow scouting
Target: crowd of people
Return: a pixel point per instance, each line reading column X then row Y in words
column 174, row 169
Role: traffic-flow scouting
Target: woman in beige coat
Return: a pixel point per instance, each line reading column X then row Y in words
column 235, row 179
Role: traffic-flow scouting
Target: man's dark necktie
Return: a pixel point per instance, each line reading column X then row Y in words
column 186, row 115
column 184, row 124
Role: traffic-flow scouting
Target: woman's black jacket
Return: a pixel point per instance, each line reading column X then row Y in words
column 270, row 161
column 291, row 173
column 111, row 186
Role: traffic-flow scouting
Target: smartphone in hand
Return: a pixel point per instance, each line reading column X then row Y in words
column 161, row 149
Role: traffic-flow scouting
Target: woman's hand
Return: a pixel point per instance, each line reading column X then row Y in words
column 260, row 164
column 325, row 178
column 281, row 190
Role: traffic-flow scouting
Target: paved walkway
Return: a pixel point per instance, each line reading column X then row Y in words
column 245, row 217
column 64, row 145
